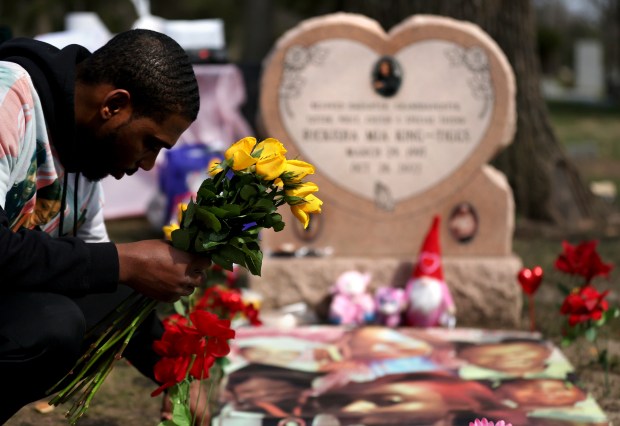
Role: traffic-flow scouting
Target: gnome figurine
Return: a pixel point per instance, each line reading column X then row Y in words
column 429, row 302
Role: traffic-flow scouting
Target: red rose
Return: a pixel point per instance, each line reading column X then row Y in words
column 585, row 304
column 582, row 260
column 177, row 341
column 251, row 313
column 169, row 372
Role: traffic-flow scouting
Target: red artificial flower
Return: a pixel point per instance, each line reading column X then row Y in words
column 218, row 347
column 171, row 321
column 582, row 260
column 251, row 313
column 177, row 341
column 232, row 300
column 227, row 302
column 584, row 304
column 209, row 324
column 216, row 330
column 201, row 366
column 169, row 372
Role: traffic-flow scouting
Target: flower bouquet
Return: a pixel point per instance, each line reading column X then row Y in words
column 233, row 205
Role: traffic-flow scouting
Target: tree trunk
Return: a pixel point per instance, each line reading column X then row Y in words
column 546, row 184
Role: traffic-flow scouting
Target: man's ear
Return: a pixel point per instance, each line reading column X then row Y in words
column 115, row 102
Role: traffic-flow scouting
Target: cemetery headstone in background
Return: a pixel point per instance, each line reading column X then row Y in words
column 400, row 127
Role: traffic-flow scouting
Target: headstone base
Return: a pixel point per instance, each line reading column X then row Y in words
column 485, row 289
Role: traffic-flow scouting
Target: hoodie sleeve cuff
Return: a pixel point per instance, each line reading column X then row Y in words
column 104, row 267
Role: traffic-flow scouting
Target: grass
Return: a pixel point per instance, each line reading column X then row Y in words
column 591, row 133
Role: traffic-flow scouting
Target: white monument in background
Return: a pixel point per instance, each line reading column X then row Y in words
column 84, row 28
column 589, row 73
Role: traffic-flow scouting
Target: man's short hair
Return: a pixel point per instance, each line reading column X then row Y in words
column 152, row 67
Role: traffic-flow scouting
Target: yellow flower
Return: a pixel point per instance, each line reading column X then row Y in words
column 270, row 147
column 271, row 160
column 168, row 229
column 270, row 168
column 302, row 211
column 302, row 190
column 214, row 167
column 181, row 207
column 296, row 170
column 240, row 153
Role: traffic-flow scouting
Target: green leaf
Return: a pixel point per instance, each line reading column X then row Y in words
column 234, row 209
column 181, row 239
column 208, row 219
column 254, row 217
column 221, row 213
column 247, row 192
column 253, row 259
column 564, row 289
column 207, row 245
column 278, row 226
column 566, row 341
column 293, row 200
column 233, row 253
column 205, row 193
column 188, row 215
column 590, row 334
column 179, row 307
column 264, row 205
column 221, row 261
column 181, row 414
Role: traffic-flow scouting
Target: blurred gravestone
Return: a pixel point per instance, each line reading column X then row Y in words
column 400, row 127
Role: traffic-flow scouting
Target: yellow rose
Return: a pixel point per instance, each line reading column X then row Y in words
column 181, row 207
column 270, row 168
column 214, row 167
column 270, row 147
column 302, row 211
column 296, row 170
column 302, row 190
column 240, row 153
column 168, row 229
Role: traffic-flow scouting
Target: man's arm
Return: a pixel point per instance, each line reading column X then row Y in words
column 33, row 261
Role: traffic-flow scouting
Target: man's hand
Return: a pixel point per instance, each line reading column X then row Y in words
column 159, row 271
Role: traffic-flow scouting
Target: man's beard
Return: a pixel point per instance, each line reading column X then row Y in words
column 425, row 295
column 96, row 155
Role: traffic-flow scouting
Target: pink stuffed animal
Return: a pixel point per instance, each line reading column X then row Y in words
column 352, row 304
column 390, row 302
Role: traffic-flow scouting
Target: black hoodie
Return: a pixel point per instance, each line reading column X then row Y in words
column 32, row 260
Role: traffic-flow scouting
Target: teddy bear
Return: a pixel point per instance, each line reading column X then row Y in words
column 390, row 303
column 352, row 304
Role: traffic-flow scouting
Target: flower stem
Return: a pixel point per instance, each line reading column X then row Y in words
column 532, row 312
column 95, row 365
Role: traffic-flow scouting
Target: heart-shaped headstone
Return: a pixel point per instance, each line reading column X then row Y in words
column 389, row 118
column 530, row 279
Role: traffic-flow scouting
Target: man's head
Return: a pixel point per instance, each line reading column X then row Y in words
column 134, row 96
